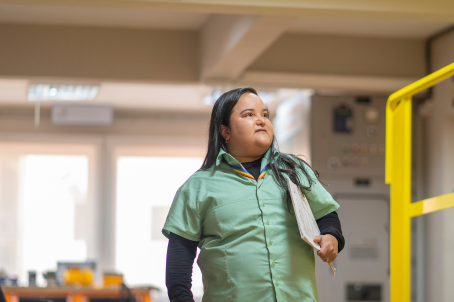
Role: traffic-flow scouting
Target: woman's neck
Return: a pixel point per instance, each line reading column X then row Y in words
column 244, row 157
column 248, row 160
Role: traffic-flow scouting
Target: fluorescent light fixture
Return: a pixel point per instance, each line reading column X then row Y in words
column 62, row 92
column 82, row 114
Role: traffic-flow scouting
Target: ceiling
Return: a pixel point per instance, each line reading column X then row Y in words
column 162, row 97
column 368, row 27
column 175, row 20
column 180, row 97
column 123, row 95
column 101, row 16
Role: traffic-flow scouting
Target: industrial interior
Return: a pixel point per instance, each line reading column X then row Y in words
column 103, row 101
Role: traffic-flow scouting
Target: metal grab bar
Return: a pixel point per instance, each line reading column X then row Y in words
column 420, row 85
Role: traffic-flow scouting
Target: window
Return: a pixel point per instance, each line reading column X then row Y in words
column 146, row 186
column 46, row 206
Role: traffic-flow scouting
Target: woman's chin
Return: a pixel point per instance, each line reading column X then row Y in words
column 263, row 143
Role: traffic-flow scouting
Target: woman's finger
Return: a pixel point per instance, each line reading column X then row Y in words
column 328, row 254
column 322, row 254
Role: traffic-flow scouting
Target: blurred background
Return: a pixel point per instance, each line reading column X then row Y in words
column 104, row 113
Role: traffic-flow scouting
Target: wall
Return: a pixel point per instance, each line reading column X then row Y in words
column 127, row 123
column 440, row 174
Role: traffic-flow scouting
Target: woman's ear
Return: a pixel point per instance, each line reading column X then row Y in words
column 225, row 132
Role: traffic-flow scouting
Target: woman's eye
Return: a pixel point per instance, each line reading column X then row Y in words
column 250, row 114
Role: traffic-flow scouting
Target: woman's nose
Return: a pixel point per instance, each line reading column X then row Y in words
column 261, row 120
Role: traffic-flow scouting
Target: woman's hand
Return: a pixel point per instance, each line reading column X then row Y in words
column 328, row 247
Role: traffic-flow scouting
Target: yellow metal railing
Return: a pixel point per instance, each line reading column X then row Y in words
column 398, row 175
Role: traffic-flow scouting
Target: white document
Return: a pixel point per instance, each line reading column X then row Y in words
column 306, row 221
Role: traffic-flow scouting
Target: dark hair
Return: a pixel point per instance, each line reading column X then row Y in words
column 287, row 163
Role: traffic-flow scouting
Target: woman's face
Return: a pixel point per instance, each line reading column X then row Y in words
column 251, row 132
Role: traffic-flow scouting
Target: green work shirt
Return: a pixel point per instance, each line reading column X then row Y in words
column 250, row 245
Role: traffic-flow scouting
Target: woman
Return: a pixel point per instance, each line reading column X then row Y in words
column 237, row 210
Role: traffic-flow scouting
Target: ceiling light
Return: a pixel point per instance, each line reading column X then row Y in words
column 62, row 92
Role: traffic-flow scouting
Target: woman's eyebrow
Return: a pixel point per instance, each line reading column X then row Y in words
column 252, row 109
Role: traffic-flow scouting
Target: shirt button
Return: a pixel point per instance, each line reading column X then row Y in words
column 268, row 222
column 277, row 283
column 273, row 264
column 271, row 242
column 263, row 204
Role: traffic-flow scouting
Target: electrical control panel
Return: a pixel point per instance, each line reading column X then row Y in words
column 348, row 151
column 348, row 135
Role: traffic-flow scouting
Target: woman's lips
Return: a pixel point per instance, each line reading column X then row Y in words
column 261, row 130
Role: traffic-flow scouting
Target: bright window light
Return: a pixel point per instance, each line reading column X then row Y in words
column 49, row 92
column 53, row 189
column 143, row 200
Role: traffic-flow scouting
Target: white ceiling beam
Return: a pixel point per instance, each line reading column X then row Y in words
column 230, row 43
column 379, row 84
column 434, row 10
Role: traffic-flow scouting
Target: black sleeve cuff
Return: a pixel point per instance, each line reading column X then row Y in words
column 330, row 224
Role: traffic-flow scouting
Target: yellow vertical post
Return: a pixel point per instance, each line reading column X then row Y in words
column 389, row 140
column 400, row 174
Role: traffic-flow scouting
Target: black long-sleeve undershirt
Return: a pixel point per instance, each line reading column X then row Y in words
column 181, row 252
column 330, row 224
